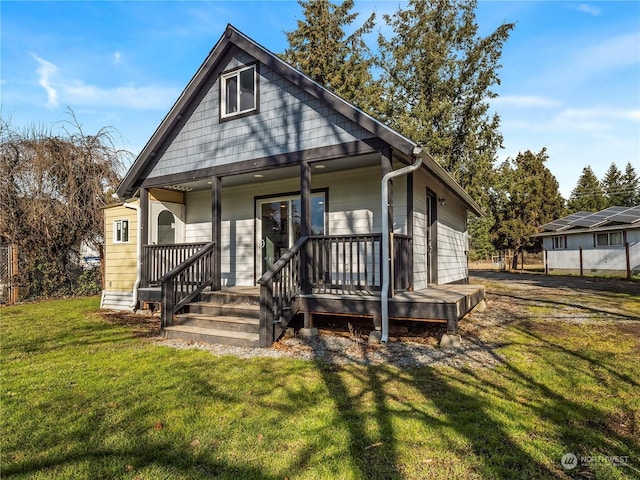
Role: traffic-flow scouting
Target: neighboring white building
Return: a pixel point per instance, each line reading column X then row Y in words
column 587, row 243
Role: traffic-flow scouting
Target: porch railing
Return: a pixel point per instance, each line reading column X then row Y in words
column 402, row 263
column 158, row 260
column 345, row 264
column 278, row 289
column 185, row 282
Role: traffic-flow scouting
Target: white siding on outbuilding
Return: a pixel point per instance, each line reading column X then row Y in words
column 603, row 260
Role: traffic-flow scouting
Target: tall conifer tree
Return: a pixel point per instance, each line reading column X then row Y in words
column 439, row 74
column 630, row 186
column 320, row 48
column 587, row 196
column 612, row 186
column 529, row 197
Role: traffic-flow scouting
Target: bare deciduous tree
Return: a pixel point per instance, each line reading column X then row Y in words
column 52, row 191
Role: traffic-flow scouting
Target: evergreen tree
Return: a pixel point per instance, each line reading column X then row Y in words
column 439, row 74
column 630, row 187
column 588, row 195
column 612, row 186
column 321, row 49
column 529, row 198
column 481, row 246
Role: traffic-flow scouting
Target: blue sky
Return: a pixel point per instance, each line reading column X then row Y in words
column 570, row 74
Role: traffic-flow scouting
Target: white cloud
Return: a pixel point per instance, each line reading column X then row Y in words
column 45, row 72
column 117, row 58
column 530, row 101
column 138, row 98
column 77, row 92
column 615, row 52
column 596, row 119
column 593, row 11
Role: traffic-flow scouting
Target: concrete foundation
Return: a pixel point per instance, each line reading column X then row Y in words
column 308, row 332
column 450, row 340
column 375, row 337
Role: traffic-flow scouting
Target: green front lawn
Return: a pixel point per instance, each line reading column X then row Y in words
column 82, row 398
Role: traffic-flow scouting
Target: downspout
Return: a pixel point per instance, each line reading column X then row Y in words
column 385, row 272
column 136, row 284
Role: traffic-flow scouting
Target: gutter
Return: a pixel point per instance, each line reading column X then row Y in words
column 136, row 284
column 385, row 271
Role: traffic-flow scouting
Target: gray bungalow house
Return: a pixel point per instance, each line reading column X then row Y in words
column 262, row 196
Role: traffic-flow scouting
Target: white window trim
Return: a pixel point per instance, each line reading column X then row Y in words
column 117, row 226
column 223, row 91
column 609, row 244
column 559, row 237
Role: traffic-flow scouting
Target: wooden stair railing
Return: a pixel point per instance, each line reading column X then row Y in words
column 185, row 282
column 278, row 289
column 158, row 260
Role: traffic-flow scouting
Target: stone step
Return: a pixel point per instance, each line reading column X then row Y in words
column 211, row 335
column 229, row 310
column 226, row 323
column 233, row 298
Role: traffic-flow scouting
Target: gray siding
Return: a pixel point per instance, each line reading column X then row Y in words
column 451, row 242
column 289, row 120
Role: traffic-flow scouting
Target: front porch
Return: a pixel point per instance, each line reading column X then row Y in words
column 338, row 276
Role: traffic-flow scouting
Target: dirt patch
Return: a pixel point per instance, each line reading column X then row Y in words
column 140, row 325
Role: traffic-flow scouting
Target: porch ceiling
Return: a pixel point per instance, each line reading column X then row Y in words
column 280, row 173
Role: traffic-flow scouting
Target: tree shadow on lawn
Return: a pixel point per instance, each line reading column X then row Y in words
column 460, row 421
column 584, row 308
column 470, row 412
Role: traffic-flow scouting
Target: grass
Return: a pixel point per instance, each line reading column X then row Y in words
column 82, row 398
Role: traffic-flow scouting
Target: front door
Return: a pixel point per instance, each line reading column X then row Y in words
column 279, row 225
column 431, row 238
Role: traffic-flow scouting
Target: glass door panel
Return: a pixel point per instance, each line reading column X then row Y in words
column 281, row 225
column 275, row 232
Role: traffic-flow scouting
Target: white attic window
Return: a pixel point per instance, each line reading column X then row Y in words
column 239, row 92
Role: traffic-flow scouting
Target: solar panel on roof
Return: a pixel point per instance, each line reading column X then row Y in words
column 588, row 222
column 629, row 215
column 554, row 226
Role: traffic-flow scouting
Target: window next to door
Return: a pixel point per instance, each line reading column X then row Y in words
column 121, row 231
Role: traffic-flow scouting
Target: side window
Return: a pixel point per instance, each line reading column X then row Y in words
column 602, row 239
column 559, row 243
column 121, row 231
column 238, row 92
column 613, row 239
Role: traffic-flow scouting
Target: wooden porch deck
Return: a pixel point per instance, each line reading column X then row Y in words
column 438, row 303
column 231, row 315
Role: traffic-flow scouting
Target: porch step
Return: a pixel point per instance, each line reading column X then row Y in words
column 229, row 317
column 233, row 297
column 226, row 323
column 228, row 309
column 213, row 335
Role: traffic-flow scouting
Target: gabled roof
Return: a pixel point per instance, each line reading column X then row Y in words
column 612, row 217
column 232, row 37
